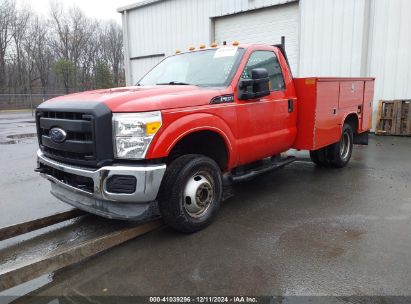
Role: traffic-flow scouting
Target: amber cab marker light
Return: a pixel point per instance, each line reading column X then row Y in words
column 202, row 46
column 236, row 43
column 214, row 45
column 178, row 52
column 192, row 48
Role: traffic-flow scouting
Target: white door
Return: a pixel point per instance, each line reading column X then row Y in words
column 265, row 26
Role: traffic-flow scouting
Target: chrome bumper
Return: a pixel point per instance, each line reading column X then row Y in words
column 138, row 205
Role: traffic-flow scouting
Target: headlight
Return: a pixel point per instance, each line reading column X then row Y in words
column 134, row 132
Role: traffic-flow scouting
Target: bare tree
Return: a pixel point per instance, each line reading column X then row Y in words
column 19, row 33
column 39, row 51
column 92, row 54
column 113, row 48
column 74, row 32
column 64, row 51
column 61, row 31
column 7, row 15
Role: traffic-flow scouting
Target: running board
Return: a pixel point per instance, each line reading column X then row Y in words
column 268, row 166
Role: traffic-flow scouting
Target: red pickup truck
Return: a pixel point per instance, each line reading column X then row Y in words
column 164, row 146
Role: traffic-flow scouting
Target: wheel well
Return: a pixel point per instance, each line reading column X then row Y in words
column 207, row 143
column 352, row 120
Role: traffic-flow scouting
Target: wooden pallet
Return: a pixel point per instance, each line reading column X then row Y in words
column 394, row 118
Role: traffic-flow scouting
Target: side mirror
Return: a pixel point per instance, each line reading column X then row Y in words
column 256, row 87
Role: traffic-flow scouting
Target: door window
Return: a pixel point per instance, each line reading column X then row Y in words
column 269, row 61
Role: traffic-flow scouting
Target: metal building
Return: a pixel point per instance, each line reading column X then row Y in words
column 323, row 37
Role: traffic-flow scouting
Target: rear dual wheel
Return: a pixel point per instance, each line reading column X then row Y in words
column 337, row 155
column 319, row 157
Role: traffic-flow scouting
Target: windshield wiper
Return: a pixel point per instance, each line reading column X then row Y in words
column 174, row 83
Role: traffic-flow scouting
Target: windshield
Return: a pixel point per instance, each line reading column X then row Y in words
column 208, row 68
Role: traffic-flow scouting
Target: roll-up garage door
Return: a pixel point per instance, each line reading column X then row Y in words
column 263, row 26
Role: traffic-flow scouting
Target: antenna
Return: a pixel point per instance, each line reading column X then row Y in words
column 282, row 45
column 283, row 42
column 282, row 49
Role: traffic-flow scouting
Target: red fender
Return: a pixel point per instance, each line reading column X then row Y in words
column 173, row 130
column 345, row 117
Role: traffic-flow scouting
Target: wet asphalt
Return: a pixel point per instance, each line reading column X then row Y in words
column 23, row 195
column 302, row 230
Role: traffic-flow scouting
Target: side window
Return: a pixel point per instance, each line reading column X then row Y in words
column 269, row 61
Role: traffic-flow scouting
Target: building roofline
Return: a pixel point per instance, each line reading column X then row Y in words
column 151, row 2
column 137, row 5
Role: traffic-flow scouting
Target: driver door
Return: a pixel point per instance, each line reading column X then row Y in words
column 263, row 123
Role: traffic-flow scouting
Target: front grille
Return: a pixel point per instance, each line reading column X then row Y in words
column 76, row 181
column 88, row 126
column 79, row 144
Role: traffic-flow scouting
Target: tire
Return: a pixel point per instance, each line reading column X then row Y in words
column 340, row 153
column 319, row 157
column 191, row 192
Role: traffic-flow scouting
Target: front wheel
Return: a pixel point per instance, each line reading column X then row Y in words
column 191, row 193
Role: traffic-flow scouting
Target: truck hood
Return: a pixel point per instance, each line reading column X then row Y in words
column 147, row 98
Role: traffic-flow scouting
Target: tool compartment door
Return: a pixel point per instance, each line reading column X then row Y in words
column 351, row 98
column 367, row 106
column 327, row 129
column 351, row 94
column 318, row 117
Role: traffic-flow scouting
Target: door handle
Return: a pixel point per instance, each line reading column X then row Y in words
column 290, row 106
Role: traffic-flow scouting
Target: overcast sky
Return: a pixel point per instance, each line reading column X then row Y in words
column 100, row 9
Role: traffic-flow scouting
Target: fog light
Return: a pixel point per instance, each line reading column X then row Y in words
column 121, row 184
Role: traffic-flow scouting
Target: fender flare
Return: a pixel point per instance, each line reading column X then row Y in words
column 345, row 118
column 166, row 140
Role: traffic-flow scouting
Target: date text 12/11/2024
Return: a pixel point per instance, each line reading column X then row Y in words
column 234, row 299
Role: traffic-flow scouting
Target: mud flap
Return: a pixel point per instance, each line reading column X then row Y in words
column 361, row 139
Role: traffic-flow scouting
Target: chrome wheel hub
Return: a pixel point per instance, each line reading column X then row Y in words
column 345, row 145
column 198, row 194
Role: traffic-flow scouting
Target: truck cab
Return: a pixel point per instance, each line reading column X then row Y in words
column 163, row 146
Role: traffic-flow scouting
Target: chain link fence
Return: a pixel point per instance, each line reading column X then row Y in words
column 24, row 101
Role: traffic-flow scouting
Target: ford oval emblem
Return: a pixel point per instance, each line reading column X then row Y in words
column 58, row 135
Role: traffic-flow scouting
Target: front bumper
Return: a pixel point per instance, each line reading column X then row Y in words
column 135, row 206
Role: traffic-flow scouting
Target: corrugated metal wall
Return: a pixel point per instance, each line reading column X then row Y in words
column 367, row 38
column 168, row 25
column 389, row 52
column 264, row 26
column 331, row 37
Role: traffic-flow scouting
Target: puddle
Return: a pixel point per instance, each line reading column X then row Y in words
column 22, row 136
column 18, row 138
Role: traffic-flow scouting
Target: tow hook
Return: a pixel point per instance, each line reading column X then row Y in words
column 40, row 170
